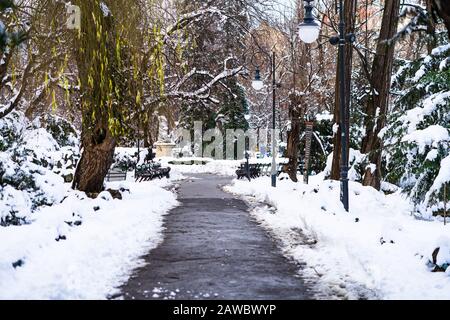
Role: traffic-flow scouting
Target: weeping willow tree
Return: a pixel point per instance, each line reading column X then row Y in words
column 107, row 85
column 120, row 61
column 130, row 66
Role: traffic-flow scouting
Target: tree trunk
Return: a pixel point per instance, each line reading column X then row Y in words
column 442, row 8
column 349, row 13
column 377, row 105
column 94, row 163
column 293, row 140
column 431, row 30
column 97, row 66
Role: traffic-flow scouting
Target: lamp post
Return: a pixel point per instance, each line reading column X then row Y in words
column 247, row 152
column 258, row 85
column 309, row 32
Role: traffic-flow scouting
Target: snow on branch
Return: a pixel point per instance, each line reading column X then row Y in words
column 191, row 17
column 204, row 92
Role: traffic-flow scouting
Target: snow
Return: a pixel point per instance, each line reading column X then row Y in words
column 420, row 73
column 66, row 245
column 430, row 136
column 378, row 250
column 432, row 155
column 324, row 116
column 355, row 160
column 102, row 242
column 372, row 167
column 439, row 50
column 105, row 10
column 417, row 115
column 442, row 178
column 218, row 167
column 335, row 129
column 444, row 63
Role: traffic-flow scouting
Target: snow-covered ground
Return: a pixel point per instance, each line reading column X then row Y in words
column 377, row 251
column 56, row 243
column 83, row 248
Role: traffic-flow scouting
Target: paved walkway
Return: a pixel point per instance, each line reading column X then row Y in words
column 213, row 249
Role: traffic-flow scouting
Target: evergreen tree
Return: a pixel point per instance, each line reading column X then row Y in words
column 418, row 134
column 234, row 107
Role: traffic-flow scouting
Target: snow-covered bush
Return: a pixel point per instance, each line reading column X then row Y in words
column 33, row 165
column 127, row 158
column 60, row 129
column 10, row 131
column 418, row 132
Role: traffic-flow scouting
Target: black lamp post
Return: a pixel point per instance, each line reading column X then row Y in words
column 309, row 32
column 258, row 85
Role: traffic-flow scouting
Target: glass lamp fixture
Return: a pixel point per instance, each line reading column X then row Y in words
column 309, row 30
column 257, row 83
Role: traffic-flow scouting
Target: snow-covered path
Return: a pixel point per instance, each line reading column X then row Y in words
column 213, row 249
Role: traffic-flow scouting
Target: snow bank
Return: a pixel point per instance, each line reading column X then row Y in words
column 55, row 242
column 83, row 248
column 378, row 250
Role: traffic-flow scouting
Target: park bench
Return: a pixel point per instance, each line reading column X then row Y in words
column 150, row 171
column 257, row 170
column 188, row 162
column 116, row 174
column 263, row 169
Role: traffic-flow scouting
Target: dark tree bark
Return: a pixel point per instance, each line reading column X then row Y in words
column 95, row 162
column 293, row 141
column 350, row 13
column 377, row 104
column 442, row 8
column 431, row 29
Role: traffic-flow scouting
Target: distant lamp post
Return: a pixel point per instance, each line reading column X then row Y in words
column 258, row 84
column 309, row 30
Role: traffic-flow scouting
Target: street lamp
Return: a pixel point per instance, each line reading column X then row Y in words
column 258, row 85
column 308, row 31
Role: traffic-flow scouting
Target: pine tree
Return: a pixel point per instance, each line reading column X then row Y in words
column 418, row 132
